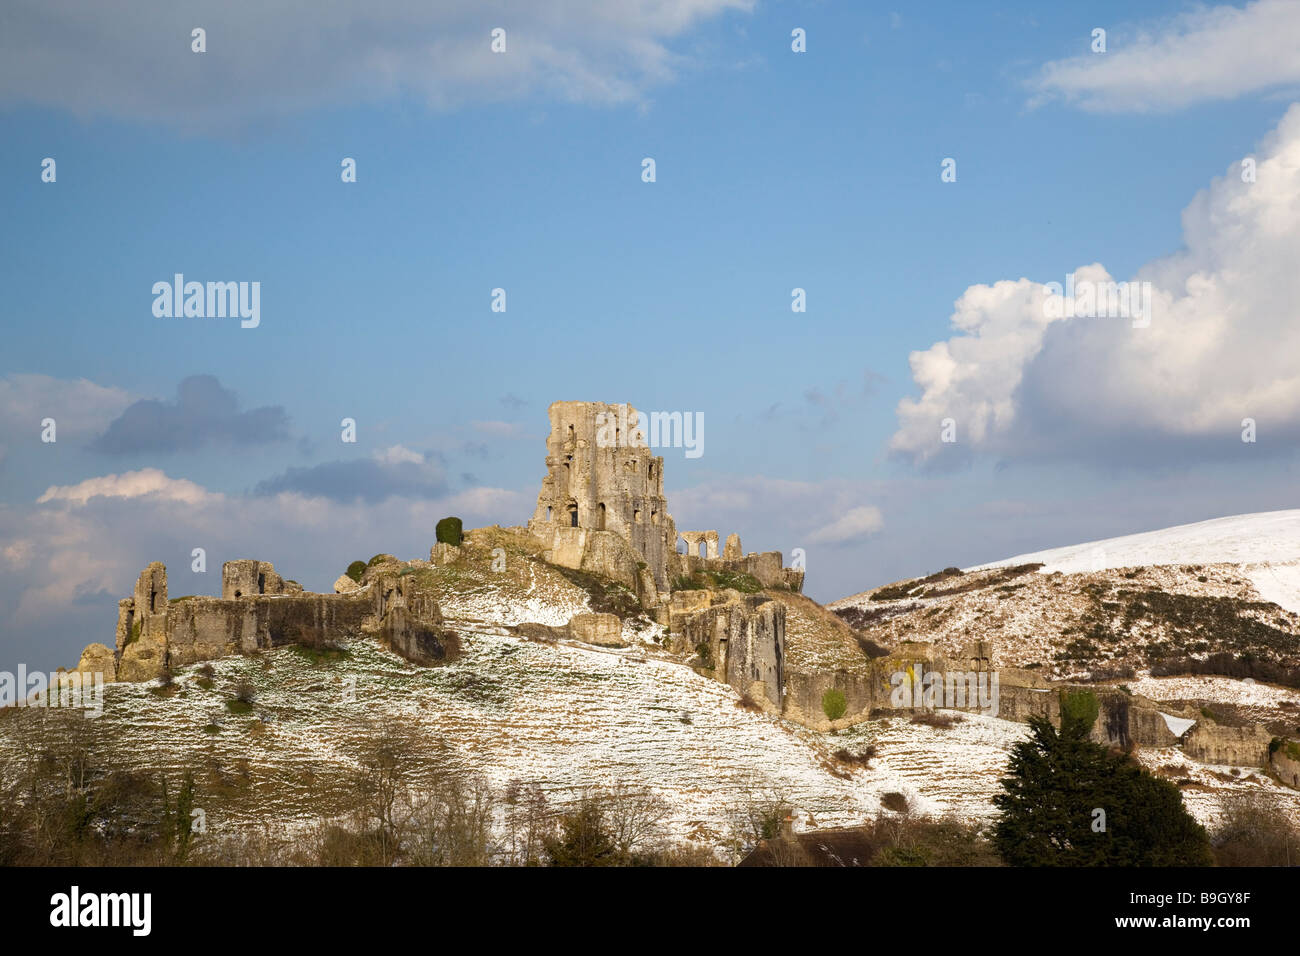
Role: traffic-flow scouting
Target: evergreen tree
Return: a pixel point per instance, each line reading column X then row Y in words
column 584, row 838
column 1057, row 782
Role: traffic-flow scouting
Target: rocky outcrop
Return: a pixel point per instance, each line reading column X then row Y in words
column 605, row 630
column 740, row 638
column 98, row 659
column 1284, row 759
column 345, row 585
column 443, row 553
column 1214, row 743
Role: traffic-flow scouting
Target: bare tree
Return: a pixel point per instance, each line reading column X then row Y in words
column 529, row 823
column 451, row 823
column 384, row 765
column 635, row 819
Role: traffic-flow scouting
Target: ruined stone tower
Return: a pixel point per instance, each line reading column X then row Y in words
column 603, row 484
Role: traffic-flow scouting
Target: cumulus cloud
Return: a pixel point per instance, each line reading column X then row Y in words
column 396, row 471
column 132, row 484
column 79, row 407
column 1020, row 379
column 853, row 525
column 203, row 413
column 1214, row 53
column 268, row 58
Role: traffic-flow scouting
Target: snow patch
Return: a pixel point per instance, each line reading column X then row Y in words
column 1265, row 538
column 1177, row 725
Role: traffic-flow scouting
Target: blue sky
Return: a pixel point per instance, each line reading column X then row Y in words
column 775, row 170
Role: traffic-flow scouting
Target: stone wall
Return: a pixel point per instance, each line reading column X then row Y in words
column 154, row 635
column 767, row 566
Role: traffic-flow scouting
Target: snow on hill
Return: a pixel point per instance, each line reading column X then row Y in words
column 1266, row 545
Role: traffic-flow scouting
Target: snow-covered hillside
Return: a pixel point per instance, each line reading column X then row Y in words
column 1266, row 545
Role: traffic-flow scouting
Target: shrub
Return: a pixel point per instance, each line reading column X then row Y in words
column 894, row 801
column 934, row 718
column 834, row 704
column 376, row 559
column 1080, row 708
column 1254, row 830
column 450, row 531
column 862, row 758
column 748, row 703
column 870, row 647
column 245, row 692
column 715, row 580
column 355, row 570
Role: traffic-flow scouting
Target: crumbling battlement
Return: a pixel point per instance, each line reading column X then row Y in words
column 245, row 578
column 768, row 567
column 260, row 610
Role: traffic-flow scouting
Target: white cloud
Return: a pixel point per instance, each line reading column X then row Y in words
column 398, row 454
column 500, row 429
column 1221, row 346
column 1214, row 53
column 130, row 484
column 853, row 525
column 274, row 57
column 78, row 406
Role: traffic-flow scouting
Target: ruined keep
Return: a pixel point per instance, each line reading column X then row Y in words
column 602, row 509
column 603, row 491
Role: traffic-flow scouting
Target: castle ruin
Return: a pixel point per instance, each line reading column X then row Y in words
column 259, row 610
